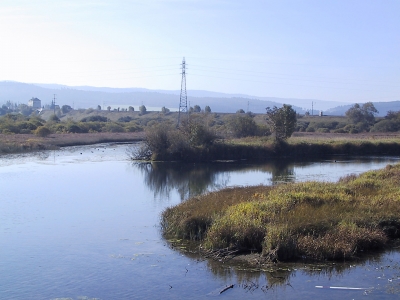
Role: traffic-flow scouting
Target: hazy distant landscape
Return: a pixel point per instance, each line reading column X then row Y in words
column 87, row 96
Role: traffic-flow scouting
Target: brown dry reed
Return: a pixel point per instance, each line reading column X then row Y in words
column 316, row 220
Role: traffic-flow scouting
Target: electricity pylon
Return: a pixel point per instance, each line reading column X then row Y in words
column 183, row 99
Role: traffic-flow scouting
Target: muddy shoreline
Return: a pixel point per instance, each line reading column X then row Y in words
column 20, row 143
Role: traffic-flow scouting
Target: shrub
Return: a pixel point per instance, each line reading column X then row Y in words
column 25, row 131
column 94, row 119
column 386, row 126
column 73, row 128
column 54, row 119
column 197, row 133
column 125, row 119
column 242, row 125
column 91, row 126
column 42, row 131
column 353, row 131
column 340, row 130
column 132, row 127
column 113, row 127
column 165, row 110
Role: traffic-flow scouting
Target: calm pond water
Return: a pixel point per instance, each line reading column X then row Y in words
column 83, row 223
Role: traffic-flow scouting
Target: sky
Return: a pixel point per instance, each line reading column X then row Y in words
column 337, row 50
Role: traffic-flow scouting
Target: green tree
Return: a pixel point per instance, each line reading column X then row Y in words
column 98, row 107
column 240, row 111
column 25, row 109
column 282, row 121
column 109, row 108
column 207, row 109
column 164, row 110
column 142, row 109
column 66, row 109
column 196, row 108
column 363, row 115
column 131, row 108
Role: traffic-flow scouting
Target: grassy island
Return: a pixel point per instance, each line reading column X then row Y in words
column 316, row 220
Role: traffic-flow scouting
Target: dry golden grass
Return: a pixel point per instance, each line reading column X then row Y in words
column 313, row 219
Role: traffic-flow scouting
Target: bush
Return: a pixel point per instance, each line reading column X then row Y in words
column 125, row 119
column 25, row 131
column 340, row 130
column 73, row 128
column 386, row 126
column 94, row 119
column 133, row 128
column 42, row 131
column 54, row 118
column 58, row 128
column 353, row 131
column 310, row 129
column 242, row 125
column 113, row 127
column 91, row 126
column 26, row 125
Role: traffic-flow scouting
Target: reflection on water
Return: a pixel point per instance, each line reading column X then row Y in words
column 190, row 180
column 83, row 221
column 194, row 179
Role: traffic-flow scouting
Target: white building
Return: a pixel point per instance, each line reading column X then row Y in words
column 35, row 103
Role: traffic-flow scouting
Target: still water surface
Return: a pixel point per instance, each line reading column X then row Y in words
column 83, row 223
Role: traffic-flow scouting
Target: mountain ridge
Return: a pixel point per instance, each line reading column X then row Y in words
column 88, row 96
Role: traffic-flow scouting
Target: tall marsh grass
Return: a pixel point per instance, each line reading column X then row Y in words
column 317, row 220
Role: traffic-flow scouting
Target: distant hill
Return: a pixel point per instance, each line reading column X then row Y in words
column 301, row 105
column 87, row 96
column 382, row 107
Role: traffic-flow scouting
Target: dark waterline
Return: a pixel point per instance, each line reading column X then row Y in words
column 84, row 222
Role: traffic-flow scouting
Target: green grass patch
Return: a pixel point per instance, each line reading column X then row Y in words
column 317, row 220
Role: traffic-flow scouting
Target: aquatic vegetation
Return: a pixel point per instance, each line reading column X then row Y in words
column 316, row 220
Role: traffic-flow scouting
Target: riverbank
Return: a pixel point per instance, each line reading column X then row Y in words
column 300, row 146
column 17, row 143
column 313, row 220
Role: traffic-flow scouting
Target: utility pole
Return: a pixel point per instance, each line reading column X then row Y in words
column 183, row 98
column 54, row 104
column 312, row 108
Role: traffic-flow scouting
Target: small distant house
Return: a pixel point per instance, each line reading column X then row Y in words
column 35, row 103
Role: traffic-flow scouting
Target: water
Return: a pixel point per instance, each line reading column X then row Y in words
column 83, row 223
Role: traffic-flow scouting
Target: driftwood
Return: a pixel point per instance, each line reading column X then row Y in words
column 220, row 254
column 226, row 288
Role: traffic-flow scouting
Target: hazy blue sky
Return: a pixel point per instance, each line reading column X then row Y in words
column 327, row 49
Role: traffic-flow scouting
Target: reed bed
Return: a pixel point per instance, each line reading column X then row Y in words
column 316, row 220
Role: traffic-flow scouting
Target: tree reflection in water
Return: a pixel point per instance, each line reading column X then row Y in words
column 194, row 179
